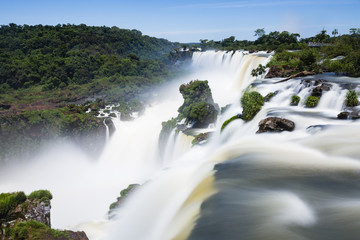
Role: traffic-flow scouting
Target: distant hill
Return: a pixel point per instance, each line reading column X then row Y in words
column 71, row 53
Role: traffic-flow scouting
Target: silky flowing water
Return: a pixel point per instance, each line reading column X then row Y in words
column 302, row 184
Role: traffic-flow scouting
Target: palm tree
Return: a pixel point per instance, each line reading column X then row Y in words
column 335, row 32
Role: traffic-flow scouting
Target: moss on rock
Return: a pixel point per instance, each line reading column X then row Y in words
column 312, row 101
column 198, row 107
column 294, row 100
column 237, row 116
column 200, row 138
column 252, row 103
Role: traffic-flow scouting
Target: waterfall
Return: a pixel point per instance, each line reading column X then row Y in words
column 107, row 133
column 289, row 185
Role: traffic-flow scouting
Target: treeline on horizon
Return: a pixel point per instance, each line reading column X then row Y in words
column 61, row 55
column 323, row 49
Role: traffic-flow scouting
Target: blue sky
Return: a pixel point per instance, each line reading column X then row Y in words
column 189, row 21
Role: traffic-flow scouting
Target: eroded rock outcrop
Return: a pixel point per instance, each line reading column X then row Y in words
column 28, row 217
column 198, row 108
column 275, row 124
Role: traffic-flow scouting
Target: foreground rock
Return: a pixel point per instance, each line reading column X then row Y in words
column 318, row 91
column 28, row 217
column 348, row 115
column 275, row 124
column 198, row 108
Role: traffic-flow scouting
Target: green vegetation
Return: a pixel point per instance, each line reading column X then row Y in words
column 294, row 62
column 294, row 100
column 198, row 107
column 9, row 201
column 56, row 56
column 44, row 69
column 123, row 194
column 32, row 230
column 167, row 128
column 200, row 138
column 313, row 54
column 251, row 103
column 261, row 69
column 40, row 194
column 312, row 101
column 351, row 99
column 270, row 95
column 237, row 116
column 272, row 41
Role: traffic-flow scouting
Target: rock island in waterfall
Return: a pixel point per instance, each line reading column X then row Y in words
column 109, row 132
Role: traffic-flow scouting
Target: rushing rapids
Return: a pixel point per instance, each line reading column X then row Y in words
column 239, row 185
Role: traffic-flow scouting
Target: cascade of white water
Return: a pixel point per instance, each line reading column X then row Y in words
column 107, row 133
column 289, row 184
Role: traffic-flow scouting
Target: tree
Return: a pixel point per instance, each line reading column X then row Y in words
column 259, row 32
column 335, row 32
column 354, row 31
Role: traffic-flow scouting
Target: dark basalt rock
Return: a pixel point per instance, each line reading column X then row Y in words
column 275, row 124
column 317, row 91
column 348, row 115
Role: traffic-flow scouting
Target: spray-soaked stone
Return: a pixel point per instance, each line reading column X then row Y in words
column 274, row 124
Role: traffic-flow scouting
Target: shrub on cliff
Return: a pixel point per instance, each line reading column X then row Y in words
column 260, row 70
column 251, row 103
column 202, row 114
column 351, row 99
column 41, row 195
column 198, row 107
column 9, row 201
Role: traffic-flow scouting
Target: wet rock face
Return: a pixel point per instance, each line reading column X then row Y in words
column 275, row 124
column 318, row 91
column 39, row 211
column 348, row 115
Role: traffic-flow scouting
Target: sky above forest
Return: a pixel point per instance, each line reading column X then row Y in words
column 190, row 21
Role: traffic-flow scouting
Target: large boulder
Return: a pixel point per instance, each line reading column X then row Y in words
column 317, row 91
column 198, row 108
column 275, row 124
